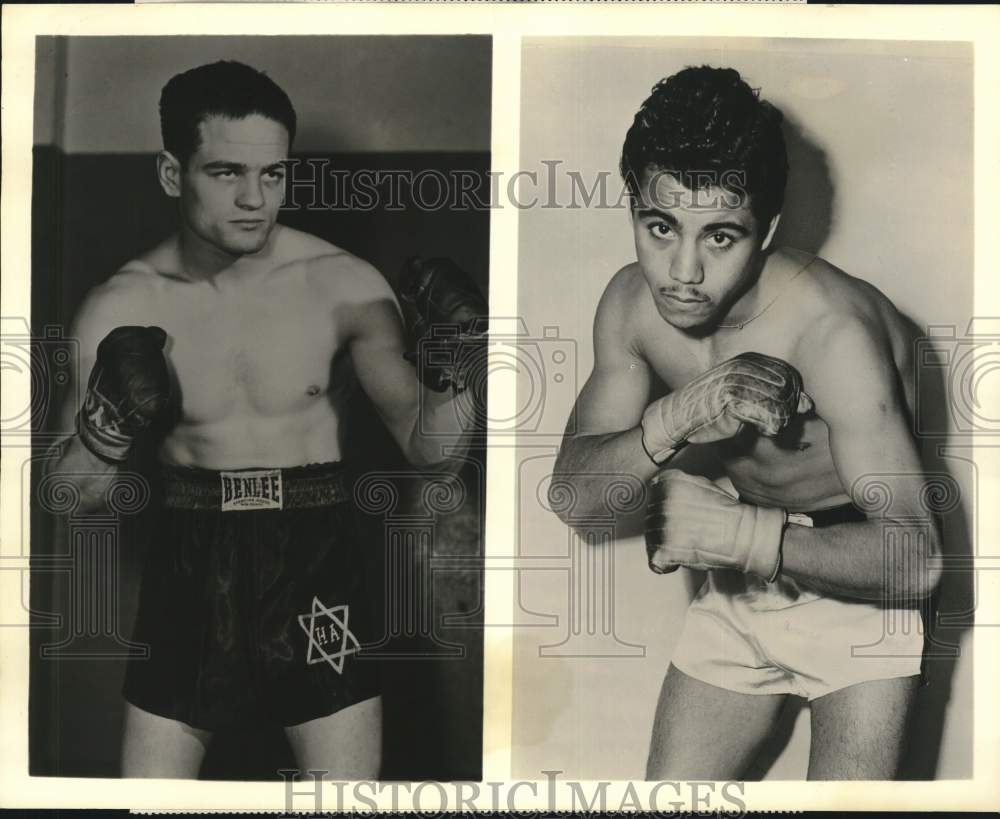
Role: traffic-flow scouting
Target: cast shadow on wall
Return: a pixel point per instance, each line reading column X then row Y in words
column 806, row 222
column 807, row 215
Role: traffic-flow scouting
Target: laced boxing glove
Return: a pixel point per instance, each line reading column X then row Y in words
column 446, row 323
column 750, row 388
column 690, row 521
column 129, row 389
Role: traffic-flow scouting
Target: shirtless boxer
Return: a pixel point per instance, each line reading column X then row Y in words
column 253, row 610
column 795, row 379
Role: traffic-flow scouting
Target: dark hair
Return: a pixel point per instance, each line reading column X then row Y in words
column 226, row 88
column 709, row 120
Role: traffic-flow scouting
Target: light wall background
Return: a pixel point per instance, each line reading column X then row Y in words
column 880, row 140
column 370, row 94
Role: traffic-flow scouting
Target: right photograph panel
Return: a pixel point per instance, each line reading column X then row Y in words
column 748, row 264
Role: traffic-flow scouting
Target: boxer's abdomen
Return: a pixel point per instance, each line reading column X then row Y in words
column 245, row 440
column 794, row 470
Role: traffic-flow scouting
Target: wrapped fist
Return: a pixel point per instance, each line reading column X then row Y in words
column 750, row 388
column 691, row 521
column 446, row 320
column 129, row 389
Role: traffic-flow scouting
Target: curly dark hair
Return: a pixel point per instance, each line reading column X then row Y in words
column 226, row 88
column 705, row 126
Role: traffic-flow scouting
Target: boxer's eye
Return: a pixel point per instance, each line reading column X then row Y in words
column 660, row 230
column 721, row 241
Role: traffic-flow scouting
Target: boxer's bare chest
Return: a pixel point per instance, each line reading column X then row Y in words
column 260, row 346
column 794, row 469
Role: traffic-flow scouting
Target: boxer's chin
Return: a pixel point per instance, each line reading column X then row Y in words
column 242, row 245
column 691, row 320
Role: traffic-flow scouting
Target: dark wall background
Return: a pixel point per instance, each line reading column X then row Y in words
column 91, row 213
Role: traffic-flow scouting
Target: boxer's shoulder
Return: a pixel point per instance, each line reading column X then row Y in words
column 326, row 268
column 129, row 290
column 333, row 279
column 844, row 322
column 621, row 305
column 347, row 278
column 127, row 297
column 290, row 246
column 628, row 283
column 823, row 308
column 826, row 299
column 624, row 294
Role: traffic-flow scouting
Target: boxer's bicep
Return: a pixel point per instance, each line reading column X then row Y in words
column 617, row 391
column 859, row 394
column 377, row 346
column 105, row 307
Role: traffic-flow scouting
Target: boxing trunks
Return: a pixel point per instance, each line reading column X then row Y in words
column 752, row 637
column 255, row 600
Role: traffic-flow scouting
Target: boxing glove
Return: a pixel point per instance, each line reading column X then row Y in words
column 446, row 318
column 750, row 388
column 129, row 389
column 691, row 521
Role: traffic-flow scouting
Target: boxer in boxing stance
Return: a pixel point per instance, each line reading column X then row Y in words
column 793, row 380
column 219, row 348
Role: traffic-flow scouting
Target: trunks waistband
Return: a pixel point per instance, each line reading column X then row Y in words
column 245, row 490
column 847, row 513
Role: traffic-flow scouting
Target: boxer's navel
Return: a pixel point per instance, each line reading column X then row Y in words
column 312, row 389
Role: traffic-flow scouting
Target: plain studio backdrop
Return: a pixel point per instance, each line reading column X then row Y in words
column 880, row 139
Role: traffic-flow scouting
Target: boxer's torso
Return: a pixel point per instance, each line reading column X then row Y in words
column 795, row 470
column 255, row 352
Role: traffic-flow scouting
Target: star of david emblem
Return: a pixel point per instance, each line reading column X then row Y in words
column 330, row 640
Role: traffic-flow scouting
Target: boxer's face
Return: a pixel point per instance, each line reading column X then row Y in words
column 699, row 250
column 232, row 186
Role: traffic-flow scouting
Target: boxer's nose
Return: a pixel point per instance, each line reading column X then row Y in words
column 251, row 193
column 685, row 265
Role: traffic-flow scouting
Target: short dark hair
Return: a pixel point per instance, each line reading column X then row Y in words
column 227, row 89
column 708, row 120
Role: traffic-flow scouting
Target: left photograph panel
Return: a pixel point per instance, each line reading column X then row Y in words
column 259, row 286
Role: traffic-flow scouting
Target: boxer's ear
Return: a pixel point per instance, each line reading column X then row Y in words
column 770, row 231
column 168, row 171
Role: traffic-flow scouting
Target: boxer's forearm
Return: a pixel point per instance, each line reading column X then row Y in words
column 69, row 459
column 444, row 429
column 589, row 463
column 859, row 560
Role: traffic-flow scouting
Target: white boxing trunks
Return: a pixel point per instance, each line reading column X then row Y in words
column 751, row 637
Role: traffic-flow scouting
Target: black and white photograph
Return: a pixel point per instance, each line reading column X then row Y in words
column 542, row 408
column 750, row 512
column 258, row 480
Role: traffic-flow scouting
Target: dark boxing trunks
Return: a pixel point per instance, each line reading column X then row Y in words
column 259, row 610
column 848, row 513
